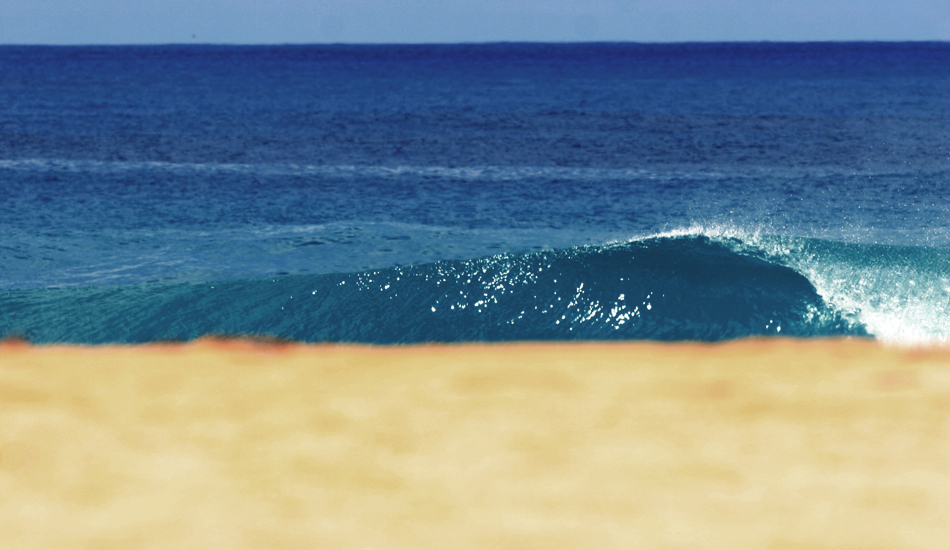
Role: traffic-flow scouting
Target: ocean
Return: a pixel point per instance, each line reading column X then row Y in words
column 475, row 192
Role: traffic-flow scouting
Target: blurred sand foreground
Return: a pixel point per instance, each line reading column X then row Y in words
column 775, row 444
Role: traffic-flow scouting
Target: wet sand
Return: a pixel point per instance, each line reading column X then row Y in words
column 776, row 444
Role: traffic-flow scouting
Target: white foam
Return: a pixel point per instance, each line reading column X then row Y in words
column 899, row 304
column 901, row 294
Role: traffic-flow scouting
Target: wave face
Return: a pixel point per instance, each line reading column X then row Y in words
column 689, row 287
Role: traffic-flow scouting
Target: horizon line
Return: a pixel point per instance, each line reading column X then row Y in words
column 470, row 43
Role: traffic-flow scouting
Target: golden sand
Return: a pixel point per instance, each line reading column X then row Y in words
column 773, row 444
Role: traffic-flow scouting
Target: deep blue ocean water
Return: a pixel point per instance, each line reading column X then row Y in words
column 415, row 193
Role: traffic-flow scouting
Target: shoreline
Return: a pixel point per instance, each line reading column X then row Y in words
column 221, row 443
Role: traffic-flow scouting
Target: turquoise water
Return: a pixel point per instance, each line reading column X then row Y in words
column 395, row 194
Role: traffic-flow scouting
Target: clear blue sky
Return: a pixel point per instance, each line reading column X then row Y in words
column 316, row 21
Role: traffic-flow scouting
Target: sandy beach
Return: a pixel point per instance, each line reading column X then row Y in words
column 774, row 444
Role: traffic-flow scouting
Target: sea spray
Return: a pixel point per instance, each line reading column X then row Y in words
column 901, row 294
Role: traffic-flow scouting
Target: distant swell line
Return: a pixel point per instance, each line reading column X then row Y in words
column 488, row 172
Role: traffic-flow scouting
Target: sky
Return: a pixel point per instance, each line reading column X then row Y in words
column 428, row 21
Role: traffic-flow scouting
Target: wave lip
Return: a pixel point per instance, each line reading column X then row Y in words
column 664, row 288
